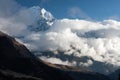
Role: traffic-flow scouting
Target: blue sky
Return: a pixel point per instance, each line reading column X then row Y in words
column 82, row 9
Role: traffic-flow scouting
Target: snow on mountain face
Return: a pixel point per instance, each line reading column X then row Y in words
column 43, row 19
column 88, row 44
column 46, row 15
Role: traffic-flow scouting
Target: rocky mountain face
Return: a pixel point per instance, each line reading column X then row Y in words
column 18, row 63
column 115, row 75
column 10, row 75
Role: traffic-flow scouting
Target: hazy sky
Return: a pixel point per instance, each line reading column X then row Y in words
column 85, row 9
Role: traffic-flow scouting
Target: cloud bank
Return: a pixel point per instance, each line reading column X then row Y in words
column 88, row 44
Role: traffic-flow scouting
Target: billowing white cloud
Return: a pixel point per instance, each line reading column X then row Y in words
column 84, row 42
column 88, row 44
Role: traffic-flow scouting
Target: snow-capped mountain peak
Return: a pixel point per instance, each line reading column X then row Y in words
column 42, row 21
column 47, row 15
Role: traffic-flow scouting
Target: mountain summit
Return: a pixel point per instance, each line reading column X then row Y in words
column 42, row 19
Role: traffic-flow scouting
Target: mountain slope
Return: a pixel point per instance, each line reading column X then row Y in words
column 10, row 75
column 115, row 75
column 17, row 58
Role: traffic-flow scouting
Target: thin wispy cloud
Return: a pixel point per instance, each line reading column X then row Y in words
column 42, row 2
column 8, row 7
column 114, row 17
column 76, row 12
